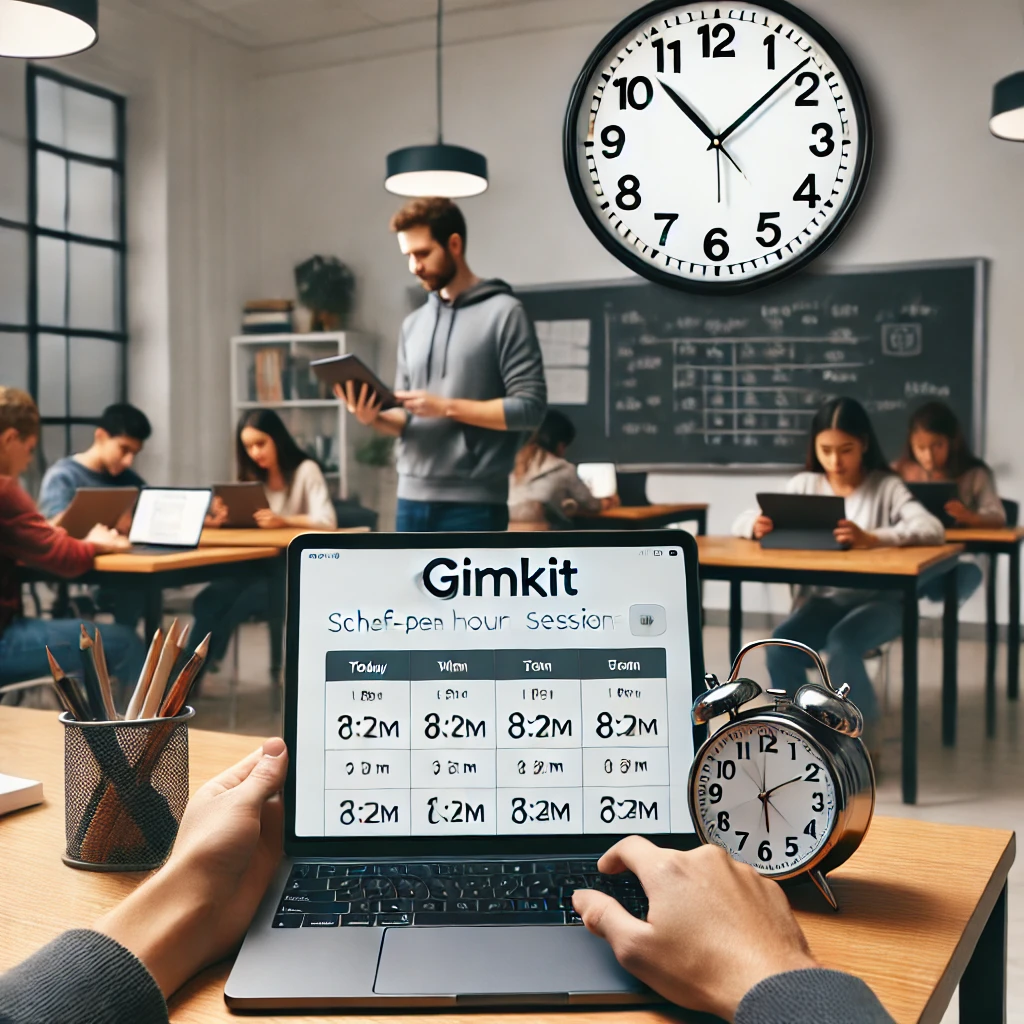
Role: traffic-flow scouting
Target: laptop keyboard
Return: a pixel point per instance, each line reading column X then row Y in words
column 467, row 893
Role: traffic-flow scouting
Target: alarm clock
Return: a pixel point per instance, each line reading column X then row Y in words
column 713, row 147
column 787, row 788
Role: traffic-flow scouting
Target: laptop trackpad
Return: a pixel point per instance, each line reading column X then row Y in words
column 490, row 961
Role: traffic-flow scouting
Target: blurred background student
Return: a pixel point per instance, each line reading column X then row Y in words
column 544, row 487
column 845, row 459
column 298, row 496
column 936, row 450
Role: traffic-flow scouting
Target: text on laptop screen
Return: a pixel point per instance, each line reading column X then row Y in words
column 173, row 516
column 492, row 691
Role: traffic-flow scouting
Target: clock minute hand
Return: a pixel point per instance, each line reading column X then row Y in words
column 771, row 92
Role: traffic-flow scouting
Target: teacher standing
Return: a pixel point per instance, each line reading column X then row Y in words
column 469, row 376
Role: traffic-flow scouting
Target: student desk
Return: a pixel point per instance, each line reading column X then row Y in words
column 1002, row 541
column 277, row 538
column 645, row 517
column 923, row 905
column 905, row 570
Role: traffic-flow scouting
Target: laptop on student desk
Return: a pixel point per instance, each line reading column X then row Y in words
column 92, row 505
column 802, row 521
column 472, row 719
column 168, row 520
column 934, row 496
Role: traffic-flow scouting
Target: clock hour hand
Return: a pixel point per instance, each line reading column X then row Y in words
column 754, row 106
column 689, row 112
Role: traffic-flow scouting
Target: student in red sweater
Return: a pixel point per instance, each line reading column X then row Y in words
column 27, row 538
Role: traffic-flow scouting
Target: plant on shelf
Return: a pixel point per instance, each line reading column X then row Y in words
column 378, row 451
column 325, row 286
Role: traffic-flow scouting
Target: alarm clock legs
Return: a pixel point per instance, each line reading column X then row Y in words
column 818, row 878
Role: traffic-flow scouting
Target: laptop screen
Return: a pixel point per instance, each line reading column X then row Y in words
column 171, row 516
column 450, row 689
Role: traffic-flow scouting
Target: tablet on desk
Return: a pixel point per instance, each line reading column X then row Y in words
column 934, row 496
column 802, row 521
column 243, row 501
column 97, row 505
column 341, row 369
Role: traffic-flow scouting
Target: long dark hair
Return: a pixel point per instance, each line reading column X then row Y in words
column 555, row 429
column 289, row 455
column 849, row 416
column 938, row 418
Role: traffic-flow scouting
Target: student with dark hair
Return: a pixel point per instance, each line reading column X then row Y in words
column 845, row 459
column 545, row 488
column 297, row 495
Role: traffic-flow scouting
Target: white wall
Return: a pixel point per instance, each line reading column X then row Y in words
column 942, row 186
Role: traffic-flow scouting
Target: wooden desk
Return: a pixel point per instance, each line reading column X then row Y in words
column 1003, row 541
column 906, row 570
column 279, row 538
column 646, row 517
column 923, row 905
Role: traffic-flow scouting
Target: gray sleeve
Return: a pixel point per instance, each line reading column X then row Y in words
column 81, row 975
column 909, row 522
column 981, row 495
column 522, row 372
column 576, row 489
column 401, row 366
column 811, row 997
column 56, row 492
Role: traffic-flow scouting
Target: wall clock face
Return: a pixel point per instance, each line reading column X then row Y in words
column 715, row 147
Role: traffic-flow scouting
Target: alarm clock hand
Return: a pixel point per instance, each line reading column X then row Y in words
column 750, row 110
column 780, row 785
column 714, row 140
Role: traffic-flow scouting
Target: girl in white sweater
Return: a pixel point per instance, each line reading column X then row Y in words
column 845, row 459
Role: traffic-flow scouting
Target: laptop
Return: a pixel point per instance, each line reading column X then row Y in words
column 168, row 520
column 802, row 521
column 473, row 719
column 97, row 505
column 243, row 500
column 934, row 496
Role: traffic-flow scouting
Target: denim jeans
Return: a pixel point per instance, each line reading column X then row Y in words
column 222, row 607
column 968, row 579
column 23, row 654
column 843, row 633
column 449, row 517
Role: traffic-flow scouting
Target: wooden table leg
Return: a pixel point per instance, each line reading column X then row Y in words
column 991, row 643
column 983, row 985
column 910, row 627
column 949, row 647
column 1013, row 628
column 735, row 618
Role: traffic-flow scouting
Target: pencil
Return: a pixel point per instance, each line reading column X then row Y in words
column 90, row 678
column 142, row 686
column 96, row 672
column 158, row 684
column 104, row 673
column 178, row 694
column 70, row 697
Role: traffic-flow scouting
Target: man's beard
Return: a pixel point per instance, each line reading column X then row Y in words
column 435, row 282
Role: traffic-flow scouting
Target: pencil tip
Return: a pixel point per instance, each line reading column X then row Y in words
column 54, row 666
column 204, row 645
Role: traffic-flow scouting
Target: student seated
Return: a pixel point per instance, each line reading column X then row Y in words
column 297, row 495
column 718, row 937
column 937, row 450
column 845, row 459
column 544, row 488
column 27, row 538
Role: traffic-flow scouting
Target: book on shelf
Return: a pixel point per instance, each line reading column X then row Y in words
column 267, row 323
column 269, row 372
column 268, row 306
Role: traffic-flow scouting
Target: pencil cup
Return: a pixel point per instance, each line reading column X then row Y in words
column 125, row 790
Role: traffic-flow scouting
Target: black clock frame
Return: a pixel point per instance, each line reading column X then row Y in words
column 571, row 154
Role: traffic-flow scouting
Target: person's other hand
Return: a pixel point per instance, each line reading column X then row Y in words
column 194, row 911
column 218, row 514
column 961, row 513
column 714, row 928
column 423, row 403
column 266, row 519
column 365, row 405
column 614, row 501
column 105, row 540
column 762, row 525
column 851, row 535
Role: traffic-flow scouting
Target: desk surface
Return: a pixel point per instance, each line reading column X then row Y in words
column 640, row 512
column 185, row 560
column 1001, row 535
column 914, row 898
column 735, row 552
column 278, row 538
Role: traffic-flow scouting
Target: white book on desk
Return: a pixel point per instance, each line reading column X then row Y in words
column 16, row 793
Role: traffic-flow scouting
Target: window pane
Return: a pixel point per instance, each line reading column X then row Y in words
column 89, row 124
column 13, row 180
column 53, row 375
column 13, row 276
column 14, row 360
column 51, row 191
column 95, row 375
column 82, row 436
column 53, row 443
column 49, row 111
column 52, row 264
column 93, row 209
column 94, row 288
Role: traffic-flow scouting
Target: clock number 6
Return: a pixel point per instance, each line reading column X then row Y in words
column 765, row 224
column 716, row 249
column 825, row 140
column 670, row 219
column 629, row 189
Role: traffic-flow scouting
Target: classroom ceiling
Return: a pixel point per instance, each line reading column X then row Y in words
column 265, row 23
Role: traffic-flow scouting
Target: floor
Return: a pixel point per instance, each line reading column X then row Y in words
column 980, row 782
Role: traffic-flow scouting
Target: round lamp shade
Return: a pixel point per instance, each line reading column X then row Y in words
column 440, row 170
column 1007, row 120
column 46, row 28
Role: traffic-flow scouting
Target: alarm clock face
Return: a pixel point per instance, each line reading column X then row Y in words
column 714, row 147
column 765, row 793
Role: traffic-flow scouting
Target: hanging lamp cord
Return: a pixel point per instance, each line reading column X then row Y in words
column 440, row 119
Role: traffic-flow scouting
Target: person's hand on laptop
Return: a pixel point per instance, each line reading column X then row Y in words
column 217, row 516
column 365, row 406
column 850, row 534
column 266, row 519
column 714, row 928
column 762, row 525
column 961, row 513
column 195, row 910
column 105, row 540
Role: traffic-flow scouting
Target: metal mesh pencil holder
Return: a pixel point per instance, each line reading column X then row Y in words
column 125, row 790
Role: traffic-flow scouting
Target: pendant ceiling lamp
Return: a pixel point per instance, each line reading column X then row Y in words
column 1007, row 120
column 46, row 28
column 437, row 170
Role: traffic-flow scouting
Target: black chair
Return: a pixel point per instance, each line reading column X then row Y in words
column 1012, row 510
column 350, row 513
column 631, row 488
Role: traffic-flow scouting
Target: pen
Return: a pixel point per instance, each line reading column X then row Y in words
column 178, row 694
column 142, row 686
column 90, row 679
column 66, row 690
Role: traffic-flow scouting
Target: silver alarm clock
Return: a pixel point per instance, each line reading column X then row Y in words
column 788, row 789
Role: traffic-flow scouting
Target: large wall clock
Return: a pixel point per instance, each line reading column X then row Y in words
column 715, row 147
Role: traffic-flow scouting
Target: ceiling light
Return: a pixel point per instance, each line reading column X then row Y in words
column 46, row 28
column 1007, row 120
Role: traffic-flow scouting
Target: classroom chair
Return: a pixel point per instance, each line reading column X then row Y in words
column 631, row 488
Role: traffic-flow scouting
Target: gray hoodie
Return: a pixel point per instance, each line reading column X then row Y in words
column 480, row 346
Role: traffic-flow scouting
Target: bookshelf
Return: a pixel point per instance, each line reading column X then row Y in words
column 271, row 371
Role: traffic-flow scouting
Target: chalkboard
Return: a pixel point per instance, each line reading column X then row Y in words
column 656, row 378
